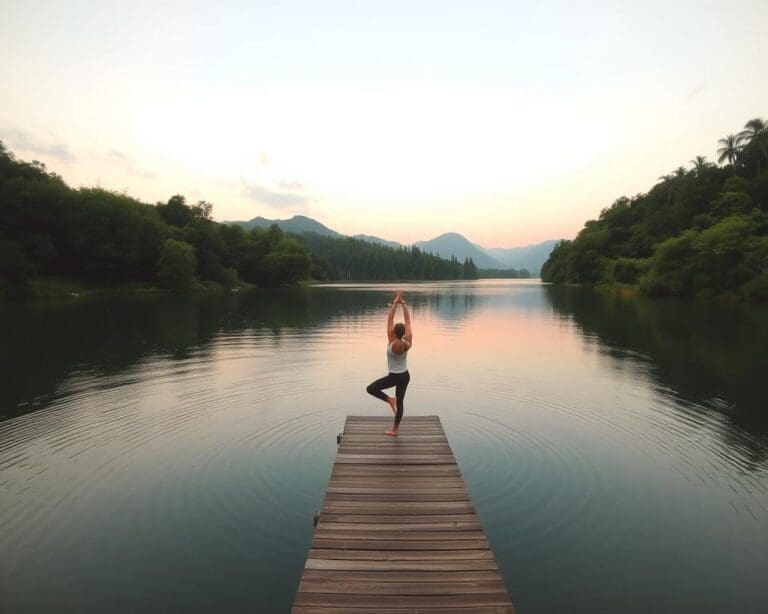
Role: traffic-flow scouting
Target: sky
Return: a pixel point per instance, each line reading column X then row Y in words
column 509, row 122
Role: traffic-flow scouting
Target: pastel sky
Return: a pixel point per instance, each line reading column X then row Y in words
column 510, row 122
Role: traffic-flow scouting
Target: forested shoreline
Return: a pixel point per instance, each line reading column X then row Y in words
column 55, row 239
column 358, row 260
column 701, row 231
column 503, row 274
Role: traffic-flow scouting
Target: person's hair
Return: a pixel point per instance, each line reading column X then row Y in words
column 399, row 330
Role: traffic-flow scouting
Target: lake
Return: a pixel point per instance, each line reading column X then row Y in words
column 168, row 453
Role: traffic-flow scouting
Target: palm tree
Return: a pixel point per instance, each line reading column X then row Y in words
column 699, row 164
column 669, row 179
column 752, row 129
column 754, row 142
column 729, row 150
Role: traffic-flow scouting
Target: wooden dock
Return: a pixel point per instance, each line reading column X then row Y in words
column 397, row 531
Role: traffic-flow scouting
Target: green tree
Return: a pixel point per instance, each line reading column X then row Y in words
column 15, row 266
column 469, row 269
column 288, row 262
column 729, row 203
column 202, row 211
column 204, row 236
column 700, row 164
column 102, row 237
column 754, row 144
column 176, row 212
column 229, row 278
column 729, row 149
column 176, row 267
column 629, row 270
column 699, row 232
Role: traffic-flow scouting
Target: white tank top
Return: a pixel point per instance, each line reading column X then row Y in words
column 397, row 363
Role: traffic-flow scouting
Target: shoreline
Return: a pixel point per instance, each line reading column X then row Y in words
column 49, row 288
column 633, row 291
column 42, row 289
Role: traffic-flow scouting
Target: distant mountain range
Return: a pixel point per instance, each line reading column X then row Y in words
column 529, row 257
column 297, row 224
column 454, row 244
column 372, row 239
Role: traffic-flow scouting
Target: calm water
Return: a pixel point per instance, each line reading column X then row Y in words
column 167, row 454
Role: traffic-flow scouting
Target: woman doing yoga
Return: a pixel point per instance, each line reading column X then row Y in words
column 400, row 338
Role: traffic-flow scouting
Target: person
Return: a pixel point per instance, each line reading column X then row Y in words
column 400, row 339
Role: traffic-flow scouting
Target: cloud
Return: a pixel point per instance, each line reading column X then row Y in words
column 292, row 185
column 116, row 154
column 122, row 159
column 18, row 139
column 265, row 196
column 58, row 151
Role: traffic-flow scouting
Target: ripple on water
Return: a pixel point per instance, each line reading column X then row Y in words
column 221, row 452
column 522, row 476
column 520, row 473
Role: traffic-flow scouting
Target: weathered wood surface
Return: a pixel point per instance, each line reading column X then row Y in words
column 397, row 531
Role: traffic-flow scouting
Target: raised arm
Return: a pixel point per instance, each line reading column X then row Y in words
column 408, row 336
column 391, row 322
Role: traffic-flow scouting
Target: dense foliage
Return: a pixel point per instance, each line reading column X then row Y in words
column 104, row 238
column 503, row 274
column 355, row 259
column 698, row 232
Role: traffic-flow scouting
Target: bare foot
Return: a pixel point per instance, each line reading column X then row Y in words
column 392, row 430
column 393, row 404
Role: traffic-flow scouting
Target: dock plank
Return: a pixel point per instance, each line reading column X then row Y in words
column 508, row 609
column 323, row 533
column 356, row 587
column 397, row 531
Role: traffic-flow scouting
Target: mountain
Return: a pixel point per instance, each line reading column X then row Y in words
column 297, row 224
column 378, row 241
column 454, row 244
column 530, row 257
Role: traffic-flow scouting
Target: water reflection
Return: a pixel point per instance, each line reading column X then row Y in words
column 709, row 356
column 45, row 343
column 614, row 448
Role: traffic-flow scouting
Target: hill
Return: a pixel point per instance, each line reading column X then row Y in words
column 529, row 257
column 353, row 259
column 454, row 244
column 298, row 224
column 378, row 241
column 55, row 240
column 701, row 231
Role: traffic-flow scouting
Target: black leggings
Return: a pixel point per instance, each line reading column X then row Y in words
column 393, row 379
